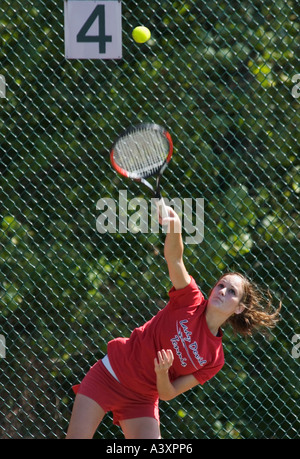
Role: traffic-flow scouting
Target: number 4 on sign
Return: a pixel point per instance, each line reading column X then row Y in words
column 82, row 37
column 93, row 29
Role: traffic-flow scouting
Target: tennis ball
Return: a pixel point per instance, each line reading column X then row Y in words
column 141, row 34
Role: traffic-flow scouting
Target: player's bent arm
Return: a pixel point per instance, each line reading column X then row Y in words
column 173, row 252
column 165, row 388
column 168, row 390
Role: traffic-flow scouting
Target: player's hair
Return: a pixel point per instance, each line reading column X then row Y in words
column 258, row 314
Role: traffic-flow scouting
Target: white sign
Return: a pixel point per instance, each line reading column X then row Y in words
column 93, row 29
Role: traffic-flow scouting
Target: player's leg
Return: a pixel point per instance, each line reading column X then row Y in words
column 141, row 428
column 86, row 416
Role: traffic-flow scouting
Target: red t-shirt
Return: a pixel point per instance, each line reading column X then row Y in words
column 180, row 326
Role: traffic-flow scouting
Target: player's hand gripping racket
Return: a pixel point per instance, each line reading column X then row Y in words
column 141, row 152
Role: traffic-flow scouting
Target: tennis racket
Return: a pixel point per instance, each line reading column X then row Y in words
column 141, row 152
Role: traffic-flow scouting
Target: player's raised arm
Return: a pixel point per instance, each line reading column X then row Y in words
column 173, row 252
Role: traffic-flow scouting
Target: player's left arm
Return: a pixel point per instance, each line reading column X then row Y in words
column 168, row 390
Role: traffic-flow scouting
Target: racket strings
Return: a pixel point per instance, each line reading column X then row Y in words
column 142, row 153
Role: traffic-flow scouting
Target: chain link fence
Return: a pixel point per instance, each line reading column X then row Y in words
column 223, row 77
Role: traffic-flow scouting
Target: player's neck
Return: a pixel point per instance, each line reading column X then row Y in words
column 214, row 323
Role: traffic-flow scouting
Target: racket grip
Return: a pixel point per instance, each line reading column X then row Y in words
column 162, row 210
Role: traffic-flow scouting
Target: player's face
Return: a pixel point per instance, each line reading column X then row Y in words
column 226, row 295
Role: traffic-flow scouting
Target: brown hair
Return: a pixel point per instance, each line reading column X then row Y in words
column 258, row 313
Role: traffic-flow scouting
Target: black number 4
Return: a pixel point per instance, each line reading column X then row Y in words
column 102, row 39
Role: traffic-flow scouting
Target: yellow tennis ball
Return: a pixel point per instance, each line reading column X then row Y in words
column 141, row 34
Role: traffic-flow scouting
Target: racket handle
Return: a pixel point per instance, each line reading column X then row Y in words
column 162, row 210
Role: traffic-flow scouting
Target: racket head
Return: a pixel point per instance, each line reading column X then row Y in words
column 142, row 151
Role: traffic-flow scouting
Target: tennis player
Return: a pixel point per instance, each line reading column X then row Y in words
column 176, row 350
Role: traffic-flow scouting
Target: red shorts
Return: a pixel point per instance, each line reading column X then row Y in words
column 103, row 388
